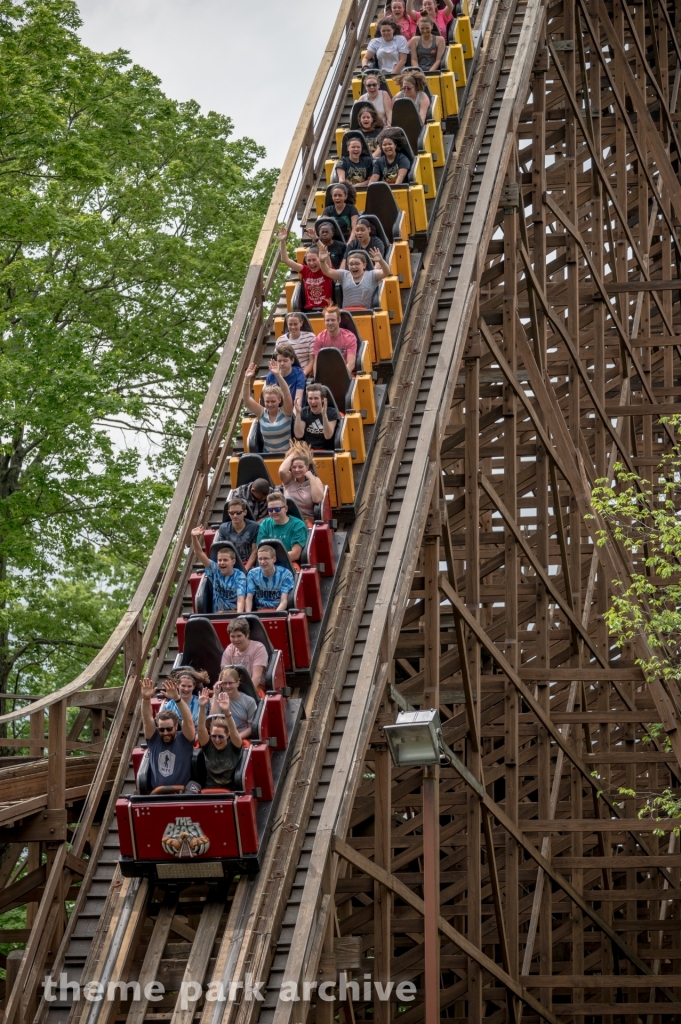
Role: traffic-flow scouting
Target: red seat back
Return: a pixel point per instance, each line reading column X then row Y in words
column 320, row 551
column 309, row 594
column 300, row 639
column 246, row 807
column 124, row 833
column 275, row 713
column 261, row 760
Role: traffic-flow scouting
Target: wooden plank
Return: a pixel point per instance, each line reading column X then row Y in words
column 11, row 893
column 153, row 955
column 620, row 287
column 46, row 826
column 620, row 861
column 644, row 409
column 592, row 674
column 197, row 964
column 601, row 825
column 600, row 981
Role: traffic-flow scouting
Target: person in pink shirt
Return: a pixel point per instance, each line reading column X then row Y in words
column 335, row 336
column 441, row 18
column 243, row 651
column 397, row 10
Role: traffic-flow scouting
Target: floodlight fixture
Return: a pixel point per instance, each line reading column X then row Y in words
column 415, row 738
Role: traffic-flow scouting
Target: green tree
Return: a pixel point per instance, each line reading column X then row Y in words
column 644, row 517
column 127, row 221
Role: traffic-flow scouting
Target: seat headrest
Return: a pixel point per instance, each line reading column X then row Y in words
column 220, row 545
column 202, row 647
column 280, row 552
column 252, row 467
column 246, row 684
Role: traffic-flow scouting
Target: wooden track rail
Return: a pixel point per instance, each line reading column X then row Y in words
column 542, row 346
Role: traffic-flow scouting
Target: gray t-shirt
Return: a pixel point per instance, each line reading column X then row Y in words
column 170, row 763
column 243, row 709
column 360, row 294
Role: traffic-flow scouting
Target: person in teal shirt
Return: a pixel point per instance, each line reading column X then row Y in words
column 291, row 531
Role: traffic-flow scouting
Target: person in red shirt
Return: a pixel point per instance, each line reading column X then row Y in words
column 335, row 336
column 317, row 288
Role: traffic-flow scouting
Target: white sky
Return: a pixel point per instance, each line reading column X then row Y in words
column 253, row 62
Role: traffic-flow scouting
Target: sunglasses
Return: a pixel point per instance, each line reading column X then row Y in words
column 218, row 736
column 237, row 512
column 166, row 728
column 274, row 508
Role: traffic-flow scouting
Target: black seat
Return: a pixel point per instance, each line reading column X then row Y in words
column 347, row 137
column 347, row 322
column 406, row 117
column 357, row 107
column 202, row 647
column 337, row 436
column 218, row 545
column 293, row 509
column 381, row 204
column 298, row 299
column 380, row 231
column 307, row 326
column 333, row 374
column 354, row 133
column 252, row 467
column 337, row 233
column 258, row 631
column 246, row 684
column 281, row 556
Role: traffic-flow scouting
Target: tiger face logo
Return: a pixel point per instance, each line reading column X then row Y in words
column 185, row 838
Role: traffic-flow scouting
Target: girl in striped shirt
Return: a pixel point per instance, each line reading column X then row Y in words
column 277, row 416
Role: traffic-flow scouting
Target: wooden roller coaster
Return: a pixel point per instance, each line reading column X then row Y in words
column 538, row 346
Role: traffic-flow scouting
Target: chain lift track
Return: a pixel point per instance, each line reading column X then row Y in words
column 541, row 346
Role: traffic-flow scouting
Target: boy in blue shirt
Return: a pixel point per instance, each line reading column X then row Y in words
column 229, row 583
column 270, row 584
column 293, row 375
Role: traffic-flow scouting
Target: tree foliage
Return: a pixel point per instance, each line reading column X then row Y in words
column 127, row 221
column 645, row 518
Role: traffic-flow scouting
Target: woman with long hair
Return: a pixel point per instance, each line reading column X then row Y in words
column 389, row 49
column 297, row 474
column 370, row 124
column 358, row 282
column 430, row 9
column 392, row 166
column 426, row 48
column 277, row 415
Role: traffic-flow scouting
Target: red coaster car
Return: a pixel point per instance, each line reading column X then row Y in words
column 213, row 833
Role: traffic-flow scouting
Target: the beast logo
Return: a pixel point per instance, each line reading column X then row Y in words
column 185, row 838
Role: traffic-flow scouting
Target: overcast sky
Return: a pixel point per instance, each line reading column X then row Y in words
column 253, row 62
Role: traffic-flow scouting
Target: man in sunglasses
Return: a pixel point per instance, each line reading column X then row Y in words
column 290, row 530
column 240, row 531
column 170, row 747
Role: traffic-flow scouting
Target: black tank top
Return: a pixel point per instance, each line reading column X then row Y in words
column 425, row 55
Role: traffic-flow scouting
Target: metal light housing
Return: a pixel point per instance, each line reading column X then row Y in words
column 415, row 738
